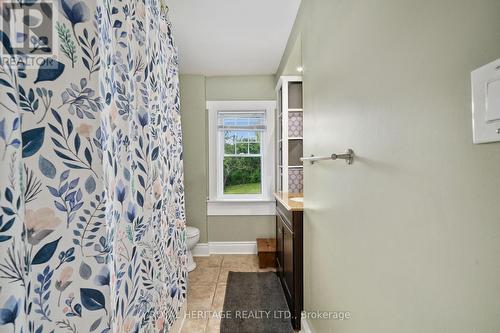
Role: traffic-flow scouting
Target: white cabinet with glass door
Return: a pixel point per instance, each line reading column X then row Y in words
column 290, row 134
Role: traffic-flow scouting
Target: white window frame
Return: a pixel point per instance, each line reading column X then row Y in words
column 248, row 204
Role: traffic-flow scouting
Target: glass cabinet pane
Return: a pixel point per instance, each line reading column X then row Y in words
column 295, row 152
column 295, row 95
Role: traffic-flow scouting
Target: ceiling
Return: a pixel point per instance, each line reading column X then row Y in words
column 231, row 37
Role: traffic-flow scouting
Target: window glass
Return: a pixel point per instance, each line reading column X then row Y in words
column 242, row 162
column 242, row 175
column 243, row 154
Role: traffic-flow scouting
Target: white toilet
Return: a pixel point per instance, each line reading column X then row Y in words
column 193, row 236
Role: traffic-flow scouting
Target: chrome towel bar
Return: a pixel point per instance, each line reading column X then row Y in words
column 348, row 156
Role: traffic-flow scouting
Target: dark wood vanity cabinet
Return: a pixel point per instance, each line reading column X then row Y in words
column 289, row 259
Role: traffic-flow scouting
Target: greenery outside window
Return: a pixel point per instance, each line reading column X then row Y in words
column 243, row 154
column 241, row 135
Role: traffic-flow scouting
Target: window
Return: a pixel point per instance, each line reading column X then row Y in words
column 241, row 135
column 241, row 149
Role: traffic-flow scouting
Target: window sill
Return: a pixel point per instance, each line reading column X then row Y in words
column 241, row 207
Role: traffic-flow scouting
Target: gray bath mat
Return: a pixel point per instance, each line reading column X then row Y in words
column 255, row 303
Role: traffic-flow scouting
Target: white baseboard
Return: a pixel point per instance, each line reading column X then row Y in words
column 304, row 326
column 206, row 249
column 201, row 250
column 233, row 247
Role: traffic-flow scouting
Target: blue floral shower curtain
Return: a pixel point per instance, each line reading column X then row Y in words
column 92, row 224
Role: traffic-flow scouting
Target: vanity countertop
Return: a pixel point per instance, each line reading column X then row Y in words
column 284, row 199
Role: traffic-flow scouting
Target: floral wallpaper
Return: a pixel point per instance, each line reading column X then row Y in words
column 92, row 224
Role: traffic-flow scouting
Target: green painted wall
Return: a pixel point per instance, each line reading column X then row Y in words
column 195, row 90
column 293, row 55
column 227, row 88
column 292, row 58
column 240, row 228
column 192, row 91
column 408, row 238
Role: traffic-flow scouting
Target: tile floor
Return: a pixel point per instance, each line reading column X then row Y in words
column 207, row 288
